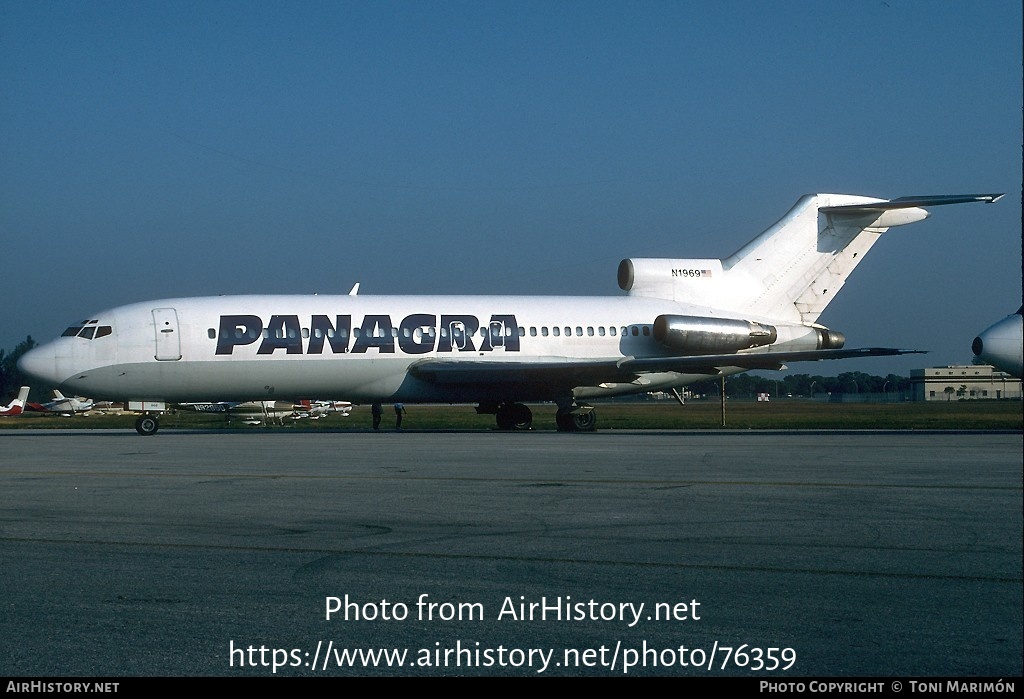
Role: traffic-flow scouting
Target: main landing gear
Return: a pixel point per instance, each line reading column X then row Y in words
column 571, row 417
column 514, row 416
column 147, row 424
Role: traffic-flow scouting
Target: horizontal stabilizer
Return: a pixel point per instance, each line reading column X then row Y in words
column 912, row 202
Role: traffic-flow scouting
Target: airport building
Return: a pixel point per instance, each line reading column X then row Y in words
column 980, row 382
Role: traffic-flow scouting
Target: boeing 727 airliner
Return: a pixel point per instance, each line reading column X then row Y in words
column 679, row 321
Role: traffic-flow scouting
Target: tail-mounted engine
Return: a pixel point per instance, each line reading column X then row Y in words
column 829, row 339
column 697, row 335
column 696, row 281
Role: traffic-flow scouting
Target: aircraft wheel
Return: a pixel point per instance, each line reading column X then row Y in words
column 504, row 418
column 522, row 416
column 515, row 416
column 147, row 425
column 585, row 421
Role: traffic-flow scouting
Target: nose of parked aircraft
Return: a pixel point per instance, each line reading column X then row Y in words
column 1001, row 345
column 41, row 363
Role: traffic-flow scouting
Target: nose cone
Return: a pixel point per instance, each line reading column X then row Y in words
column 41, row 363
column 1002, row 345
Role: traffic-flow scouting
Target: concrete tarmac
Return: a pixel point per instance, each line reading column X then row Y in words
column 279, row 552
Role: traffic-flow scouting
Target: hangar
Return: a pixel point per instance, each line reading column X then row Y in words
column 972, row 382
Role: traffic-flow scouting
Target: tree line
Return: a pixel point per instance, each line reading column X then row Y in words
column 802, row 385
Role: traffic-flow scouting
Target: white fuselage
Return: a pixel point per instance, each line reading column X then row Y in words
column 357, row 347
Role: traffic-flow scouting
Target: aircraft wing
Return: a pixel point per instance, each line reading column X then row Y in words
column 710, row 364
column 584, row 372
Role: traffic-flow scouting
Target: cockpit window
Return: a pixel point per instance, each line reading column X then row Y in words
column 88, row 330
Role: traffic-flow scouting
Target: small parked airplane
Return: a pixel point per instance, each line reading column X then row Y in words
column 63, row 405
column 680, row 320
column 16, row 406
column 316, row 409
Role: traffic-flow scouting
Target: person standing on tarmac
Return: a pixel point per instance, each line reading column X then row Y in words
column 399, row 412
column 378, row 412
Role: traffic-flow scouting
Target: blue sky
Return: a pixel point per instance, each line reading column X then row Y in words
column 159, row 149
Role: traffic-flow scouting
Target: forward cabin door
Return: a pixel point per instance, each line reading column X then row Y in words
column 168, row 344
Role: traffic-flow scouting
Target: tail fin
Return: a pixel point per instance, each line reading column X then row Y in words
column 795, row 268
column 16, row 406
column 798, row 265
